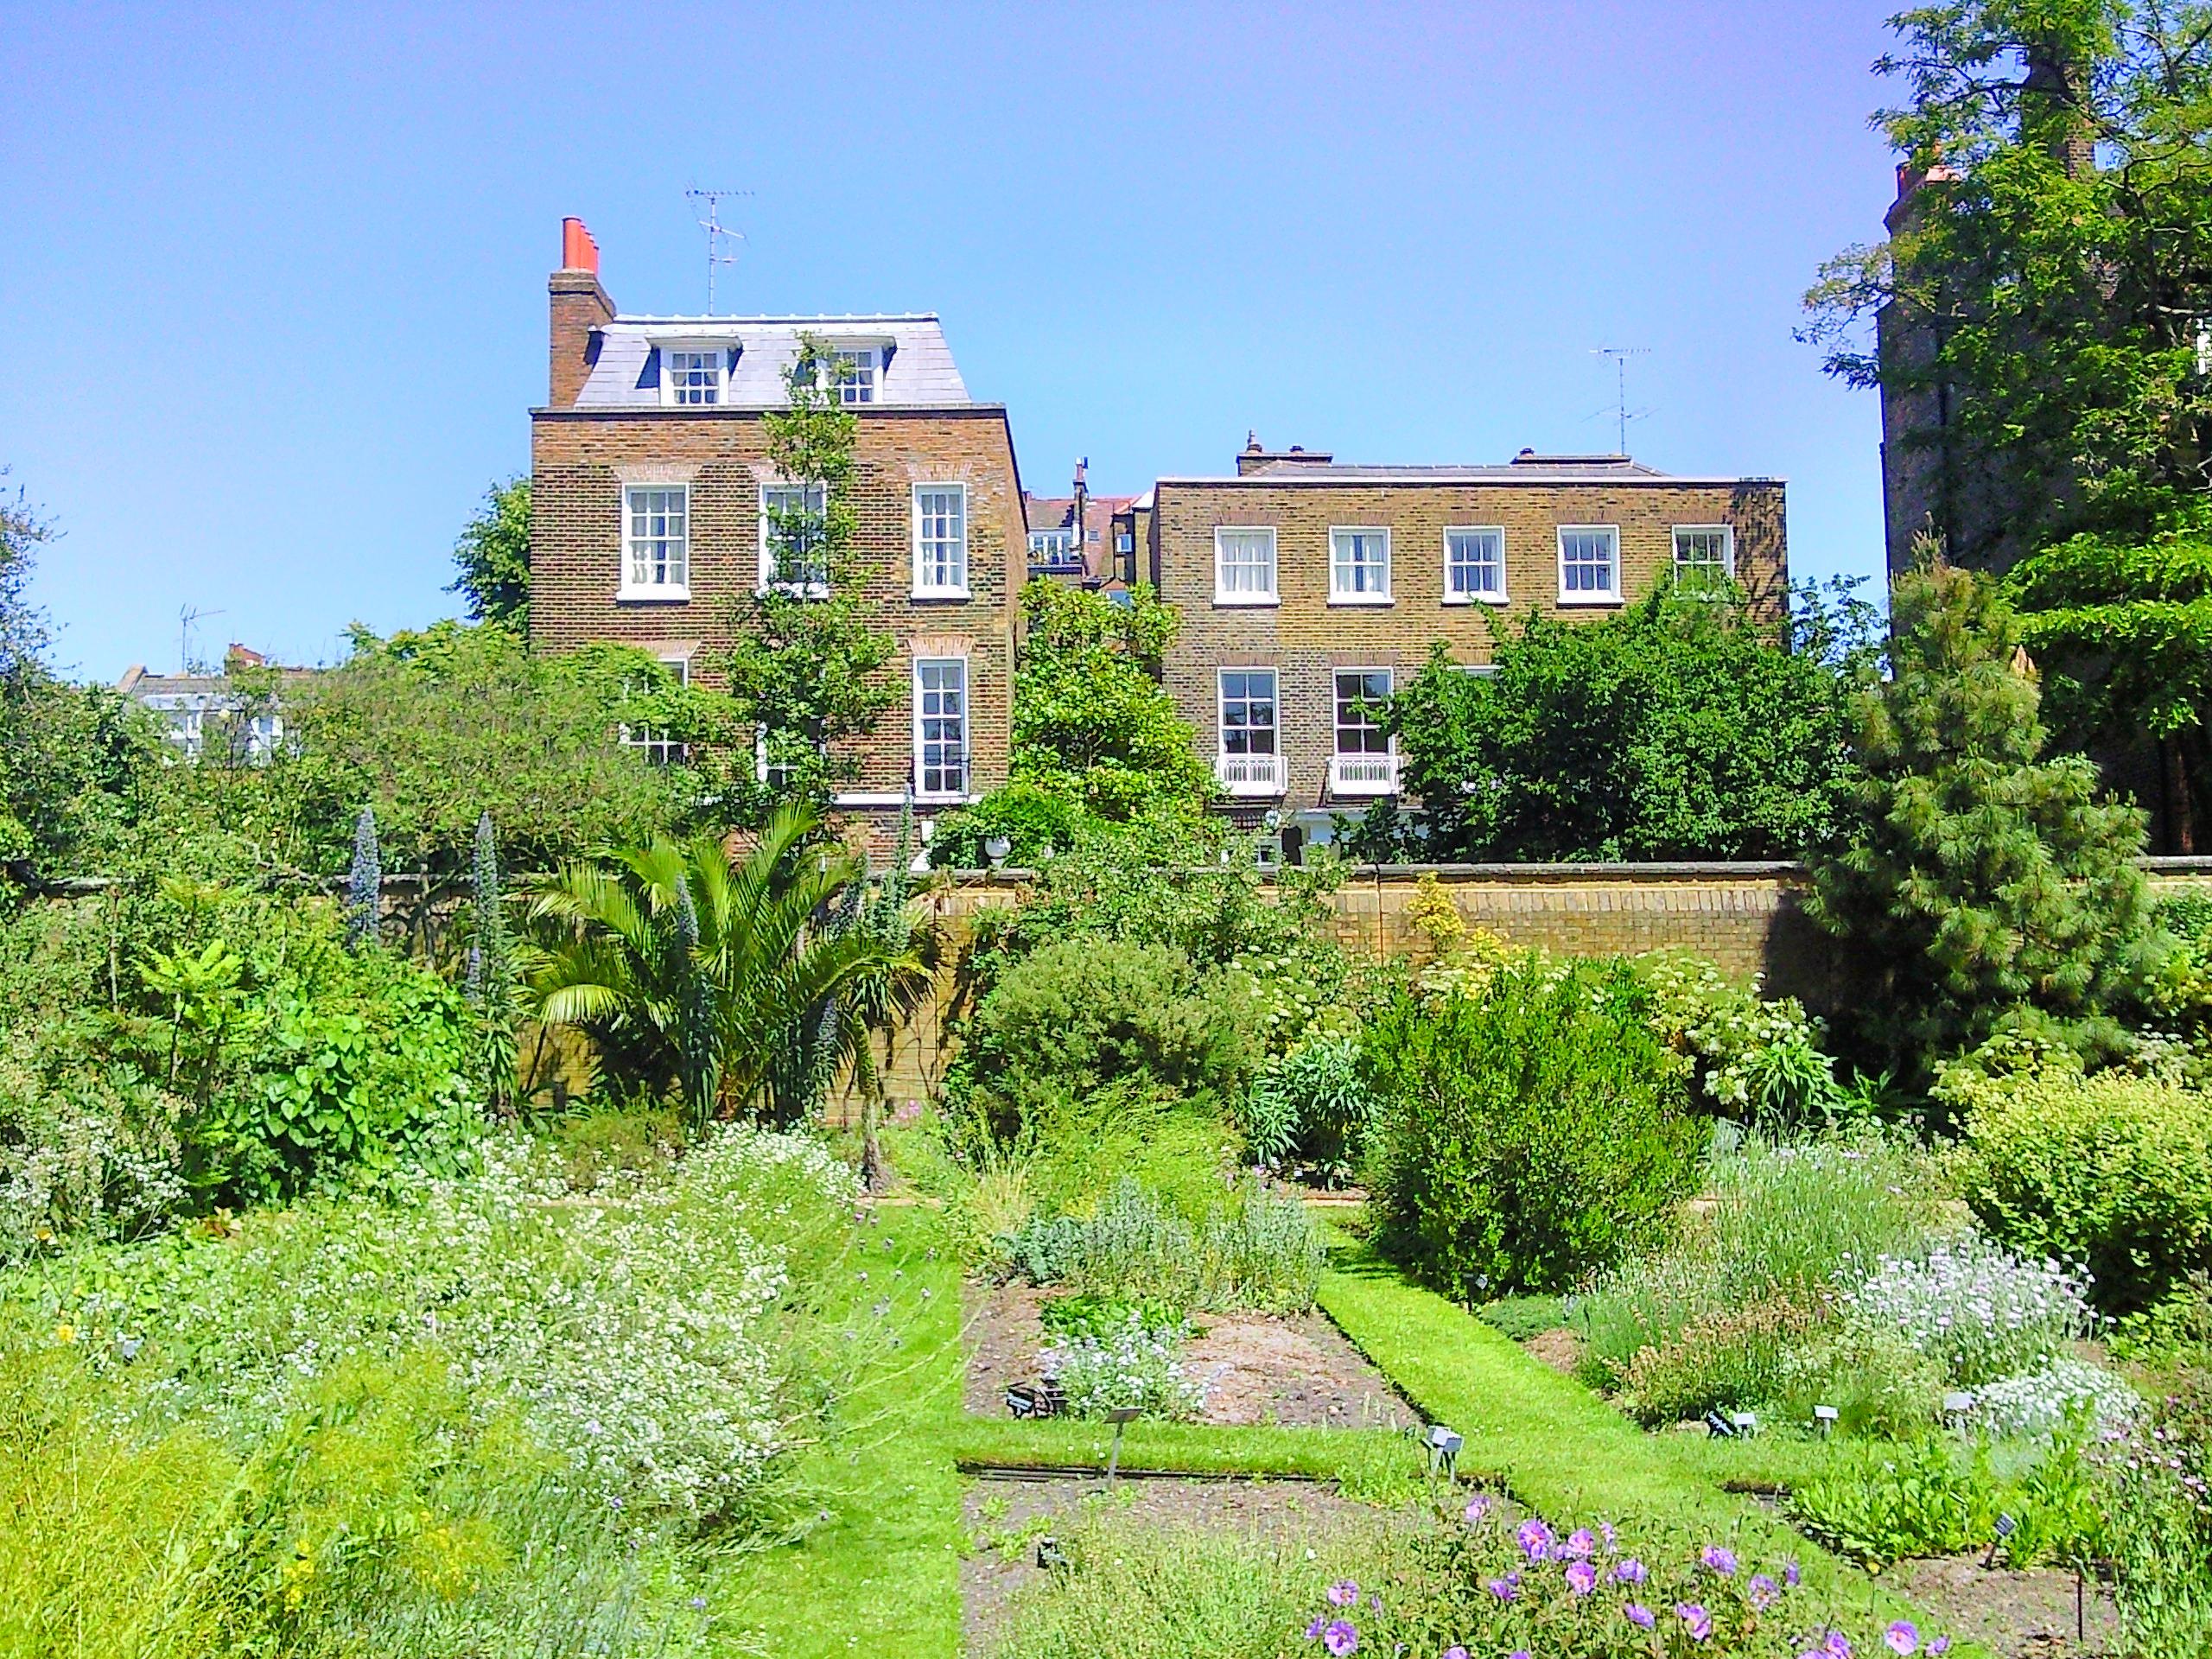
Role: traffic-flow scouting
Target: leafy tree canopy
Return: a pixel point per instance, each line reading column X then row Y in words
column 1981, row 885
column 1685, row 726
column 492, row 558
column 2055, row 267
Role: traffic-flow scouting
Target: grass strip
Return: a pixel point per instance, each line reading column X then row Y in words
column 1549, row 1442
column 1373, row 1464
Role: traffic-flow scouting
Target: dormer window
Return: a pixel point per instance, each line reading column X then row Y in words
column 856, row 371
column 1054, row 550
column 692, row 376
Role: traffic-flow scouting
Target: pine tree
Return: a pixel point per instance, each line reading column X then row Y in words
column 364, row 883
column 1979, row 884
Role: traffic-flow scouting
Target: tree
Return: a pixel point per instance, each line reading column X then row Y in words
column 492, row 558
column 1685, row 727
column 2047, row 284
column 74, row 760
column 2122, row 632
column 436, row 729
column 692, row 970
column 1980, row 885
column 805, row 673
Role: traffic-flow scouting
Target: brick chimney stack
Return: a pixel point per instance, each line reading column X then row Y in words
column 580, row 309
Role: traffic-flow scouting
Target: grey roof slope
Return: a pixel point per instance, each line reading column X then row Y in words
column 920, row 372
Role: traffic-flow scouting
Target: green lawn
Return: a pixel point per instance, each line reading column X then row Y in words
column 876, row 1567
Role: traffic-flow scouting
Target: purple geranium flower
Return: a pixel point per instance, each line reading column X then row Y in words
column 1630, row 1571
column 1761, row 1592
column 1790, row 1574
column 1344, row 1593
column 1580, row 1545
column 1581, row 1578
column 1606, row 1531
column 1836, row 1645
column 1505, row 1589
column 1314, row 1631
column 1638, row 1615
column 1340, row 1638
column 1695, row 1619
column 1478, row 1508
column 1455, row 1651
column 1535, row 1540
column 1903, row 1636
column 1719, row 1559
column 1940, row 1646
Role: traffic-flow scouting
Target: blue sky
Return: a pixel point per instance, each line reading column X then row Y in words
column 274, row 285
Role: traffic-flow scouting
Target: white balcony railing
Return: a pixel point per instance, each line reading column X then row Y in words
column 1249, row 774
column 1363, row 774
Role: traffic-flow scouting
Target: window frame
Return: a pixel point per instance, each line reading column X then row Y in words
column 1587, row 597
column 799, row 589
column 1728, row 534
column 715, row 349
column 667, row 591
column 1338, row 596
column 1336, row 709
column 1277, row 780
column 1474, row 596
column 659, row 751
column 869, row 357
column 921, row 742
column 1271, row 595
column 921, row 589
column 1066, row 555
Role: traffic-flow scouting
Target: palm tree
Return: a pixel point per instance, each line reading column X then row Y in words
column 696, row 972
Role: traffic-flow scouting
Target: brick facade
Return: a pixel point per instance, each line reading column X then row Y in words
column 1306, row 637
column 584, row 455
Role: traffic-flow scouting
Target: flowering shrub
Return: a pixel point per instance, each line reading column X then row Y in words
column 633, row 1335
column 1489, row 1588
column 1981, row 1312
column 1751, row 1058
column 1132, row 1364
column 2042, row 1402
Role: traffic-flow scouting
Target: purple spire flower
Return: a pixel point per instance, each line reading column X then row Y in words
column 1761, row 1592
column 1638, row 1615
column 1581, row 1578
column 1340, row 1638
column 1719, row 1559
column 1903, row 1636
column 1535, row 1540
column 1695, row 1619
column 1580, row 1545
column 1630, row 1571
column 1344, row 1593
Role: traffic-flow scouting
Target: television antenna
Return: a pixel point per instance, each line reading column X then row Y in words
column 707, row 207
column 186, row 616
column 1622, row 413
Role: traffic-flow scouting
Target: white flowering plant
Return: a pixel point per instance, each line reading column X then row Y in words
column 1751, row 1057
column 633, row 1333
column 1135, row 1362
column 2040, row 1403
column 1982, row 1313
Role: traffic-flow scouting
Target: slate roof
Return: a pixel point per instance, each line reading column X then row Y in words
column 919, row 373
column 1528, row 469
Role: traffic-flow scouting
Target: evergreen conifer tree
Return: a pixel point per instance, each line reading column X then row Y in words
column 1981, row 885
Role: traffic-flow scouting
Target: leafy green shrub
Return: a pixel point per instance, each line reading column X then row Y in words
column 1753, row 1058
column 1039, row 824
column 1523, row 1317
column 1883, row 1504
column 1079, row 1014
column 1084, row 1314
column 1528, row 1137
column 605, row 1140
column 1726, row 1360
column 2113, row 1170
column 1310, row 1107
column 1880, row 1386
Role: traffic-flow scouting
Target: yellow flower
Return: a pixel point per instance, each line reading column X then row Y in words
column 64, row 1333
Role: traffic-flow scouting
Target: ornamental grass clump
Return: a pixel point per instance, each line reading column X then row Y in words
column 1256, row 1250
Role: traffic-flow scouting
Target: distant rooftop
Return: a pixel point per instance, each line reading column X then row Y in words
column 1297, row 466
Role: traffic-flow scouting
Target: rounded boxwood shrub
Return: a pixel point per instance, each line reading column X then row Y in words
column 1527, row 1135
column 2114, row 1171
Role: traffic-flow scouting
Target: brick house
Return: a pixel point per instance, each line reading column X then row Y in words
column 649, row 489
column 1080, row 538
column 1309, row 590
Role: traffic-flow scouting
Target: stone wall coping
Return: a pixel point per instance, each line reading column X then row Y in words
column 1774, row 869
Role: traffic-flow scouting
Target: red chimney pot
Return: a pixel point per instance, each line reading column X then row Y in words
column 578, row 251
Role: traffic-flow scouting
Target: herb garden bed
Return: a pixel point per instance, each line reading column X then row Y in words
column 1293, row 1370
column 1009, row 1515
column 2018, row 1614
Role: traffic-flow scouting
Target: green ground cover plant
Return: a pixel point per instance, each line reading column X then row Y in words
column 1529, row 1134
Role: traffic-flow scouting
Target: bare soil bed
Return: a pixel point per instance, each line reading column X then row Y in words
column 1008, row 1517
column 2017, row 1614
column 1295, row 1370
